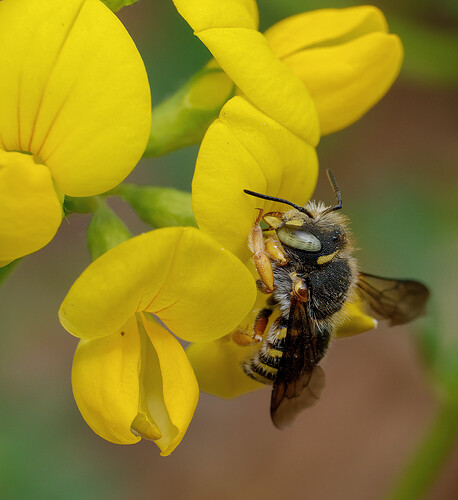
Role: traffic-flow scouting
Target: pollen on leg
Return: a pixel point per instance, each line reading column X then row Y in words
column 264, row 268
column 243, row 338
column 275, row 250
column 260, row 256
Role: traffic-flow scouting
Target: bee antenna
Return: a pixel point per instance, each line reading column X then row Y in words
column 336, row 189
column 279, row 200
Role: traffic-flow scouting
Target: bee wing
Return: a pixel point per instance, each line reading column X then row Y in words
column 299, row 382
column 400, row 301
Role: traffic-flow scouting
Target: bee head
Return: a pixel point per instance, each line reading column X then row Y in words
column 313, row 233
column 316, row 239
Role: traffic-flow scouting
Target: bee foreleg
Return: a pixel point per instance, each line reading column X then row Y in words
column 260, row 256
column 264, row 252
column 242, row 337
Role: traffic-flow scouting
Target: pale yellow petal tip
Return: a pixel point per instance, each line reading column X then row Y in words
column 142, row 426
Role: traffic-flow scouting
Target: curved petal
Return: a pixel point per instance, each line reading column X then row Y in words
column 206, row 14
column 355, row 321
column 323, row 27
column 217, row 367
column 200, row 290
column 105, row 383
column 246, row 57
column 73, row 91
column 347, row 80
column 245, row 149
column 171, row 403
column 30, row 209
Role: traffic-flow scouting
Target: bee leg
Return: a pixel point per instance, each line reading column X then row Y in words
column 242, row 337
column 260, row 256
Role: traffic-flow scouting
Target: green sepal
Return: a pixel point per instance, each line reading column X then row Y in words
column 115, row 5
column 81, row 205
column 182, row 119
column 158, row 206
column 105, row 231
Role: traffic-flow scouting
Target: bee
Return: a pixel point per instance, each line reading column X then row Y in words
column 305, row 262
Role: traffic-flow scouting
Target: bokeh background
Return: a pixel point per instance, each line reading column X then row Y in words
column 397, row 171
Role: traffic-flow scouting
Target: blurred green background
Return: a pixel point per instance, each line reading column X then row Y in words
column 397, row 172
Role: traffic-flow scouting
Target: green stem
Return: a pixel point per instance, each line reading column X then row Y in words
column 420, row 473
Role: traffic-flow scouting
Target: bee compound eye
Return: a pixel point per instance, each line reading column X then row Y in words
column 302, row 240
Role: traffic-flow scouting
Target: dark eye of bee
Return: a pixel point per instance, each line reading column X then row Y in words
column 336, row 236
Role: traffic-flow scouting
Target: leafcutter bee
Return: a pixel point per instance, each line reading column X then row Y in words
column 305, row 263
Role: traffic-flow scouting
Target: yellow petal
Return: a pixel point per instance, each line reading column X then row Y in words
column 106, row 385
column 30, row 209
column 323, row 27
column 73, row 91
column 355, row 322
column 246, row 57
column 198, row 289
column 205, row 14
column 245, row 149
column 217, row 366
column 348, row 79
column 172, row 402
column 210, row 91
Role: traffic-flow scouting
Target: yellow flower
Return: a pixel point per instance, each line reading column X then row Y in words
column 229, row 30
column 131, row 378
column 260, row 141
column 246, row 149
column 74, row 113
column 345, row 57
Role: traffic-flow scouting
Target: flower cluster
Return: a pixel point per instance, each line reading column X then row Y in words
column 75, row 119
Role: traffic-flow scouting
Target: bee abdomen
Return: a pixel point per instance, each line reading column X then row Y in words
column 258, row 370
column 269, row 355
column 264, row 364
